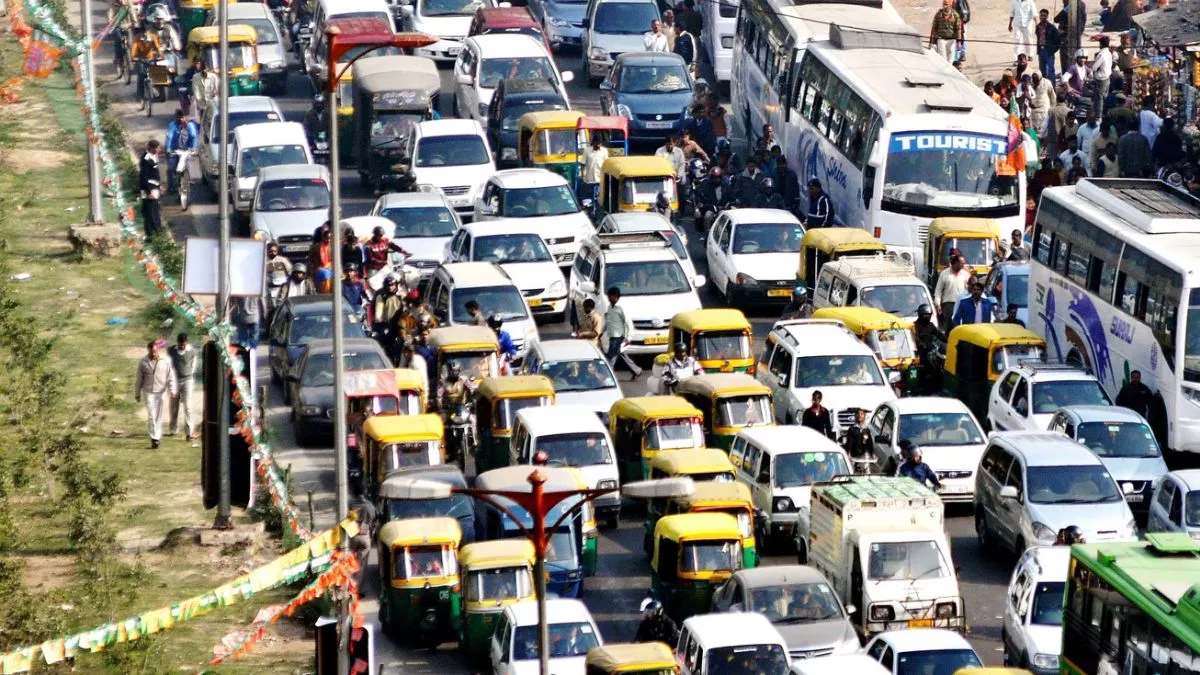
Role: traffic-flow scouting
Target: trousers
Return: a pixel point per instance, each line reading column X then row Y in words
column 154, row 411
column 945, row 48
column 182, row 402
column 614, row 352
column 1024, row 40
column 151, row 217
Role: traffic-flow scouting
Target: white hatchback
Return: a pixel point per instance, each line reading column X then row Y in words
column 543, row 201
column 487, row 59
column 1033, row 609
column 520, row 251
column 453, row 156
column 752, row 255
column 649, row 221
column 932, row 650
column 514, row 644
column 579, row 371
column 949, row 436
column 1027, row 395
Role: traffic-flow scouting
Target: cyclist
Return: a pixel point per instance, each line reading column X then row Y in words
column 145, row 51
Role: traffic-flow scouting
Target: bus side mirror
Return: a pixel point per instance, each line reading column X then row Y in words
column 876, row 159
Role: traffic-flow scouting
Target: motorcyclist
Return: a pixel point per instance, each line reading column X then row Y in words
column 768, row 198
column 164, row 28
column 679, row 368
column 707, row 196
column 386, row 305
column 354, row 289
column 662, row 205
column 656, row 626
column 453, row 389
column 928, row 335
column 298, row 284
column 379, row 247
column 278, row 268
column 857, row 441
column 316, row 120
column 749, row 184
column 925, row 325
column 507, row 348
column 1069, row 535
column 914, row 468
column 413, row 313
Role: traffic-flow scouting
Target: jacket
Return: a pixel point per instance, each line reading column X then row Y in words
column 685, row 47
column 964, row 311
column 819, row 420
column 820, row 211
column 155, row 377
column 1137, row 397
column 183, row 136
column 920, row 472
column 149, row 177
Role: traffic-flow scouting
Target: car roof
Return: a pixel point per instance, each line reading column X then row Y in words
column 285, row 171
column 508, row 45
column 248, row 10
column 1189, row 477
column 415, row 199
column 817, row 339
column 521, row 86
column 326, row 346
column 450, row 127
column 789, row 439
column 1043, row 448
column 561, row 419
column 251, row 103
column 928, row 404
column 558, row 610
column 775, row 575
column 733, row 629
column 738, row 216
column 639, row 221
column 567, row 350
column 1050, row 371
column 1052, row 561
column 1102, row 413
column 502, row 226
column 472, row 274
column 649, row 59
column 924, row 640
column 527, row 178
column 269, row 133
column 1014, row 267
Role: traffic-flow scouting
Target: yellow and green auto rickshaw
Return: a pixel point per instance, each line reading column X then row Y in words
column 827, row 244
column 977, row 239
column 891, row 338
column 497, row 401
column 693, row 554
column 474, row 348
column 977, row 353
column 642, row 426
column 495, row 574
column 547, row 141
column 392, row 442
column 729, row 402
column 637, row 658
column 194, row 13
column 204, row 42
column 705, row 464
column 633, row 184
column 419, row 591
column 720, row 339
column 733, row 498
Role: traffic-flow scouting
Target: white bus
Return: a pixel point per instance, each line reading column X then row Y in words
column 895, row 134
column 720, row 22
column 1115, row 284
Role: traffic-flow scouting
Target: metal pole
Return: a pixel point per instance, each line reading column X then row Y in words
column 539, row 570
column 95, row 208
column 223, row 519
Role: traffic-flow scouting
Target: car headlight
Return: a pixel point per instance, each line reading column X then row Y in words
column 746, row 280
column 623, row 111
column 310, row 410
column 606, row 484
column 245, row 195
column 556, row 288
column 483, row 109
column 508, row 153
column 781, row 505
column 1043, row 534
column 561, row 23
column 261, row 235
column 1045, row 661
column 598, row 54
column 945, row 610
column 882, row 613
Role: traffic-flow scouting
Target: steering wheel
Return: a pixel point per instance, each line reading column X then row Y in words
column 518, row 210
column 278, row 204
column 749, row 246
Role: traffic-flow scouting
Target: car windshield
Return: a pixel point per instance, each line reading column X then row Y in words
column 722, row 344
column 454, row 506
column 522, row 68
column 264, row 30
column 505, row 301
column 907, row 560
column 555, row 200
column 1048, row 397
column 658, row 79
column 1017, row 289
column 420, row 221
column 674, row 434
column 510, row 248
column 949, row 428
column 648, row 277
column 935, row 662
column 584, row 375
column 1118, row 439
column 1048, row 604
column 466, row 150
column 449, row 7
column 896, row 300
column 308, row 328
column 751, row 238
column 318, row 372
column 896, row 343
column 507, row 409
column 805, row 468
column 758, row 659
column 566, row 639
column 1193, row 508
column 293, row 194
column 624, row 18
column 237, row 119
column 505, row 583
column 575, row 449
column 710, row 556
column 744, row 411
column 400, row 455
column 925, row 176
column 253, row 159
column 795, row 603
column 1071, row 485
column 513, row 112
column 834, row 371
column 391, row 127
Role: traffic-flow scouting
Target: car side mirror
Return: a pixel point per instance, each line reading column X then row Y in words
column 783, row 380
column 1127, row 488
column 894, row 377
column 1009, row 492
column 567, row 76
column 851, row 609
column 699, row 281
column 605, row 85
column 587, row 287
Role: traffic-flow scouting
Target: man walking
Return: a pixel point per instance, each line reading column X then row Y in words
column 974, row 308
column 685, row 47
column 1102, row 68
column 655, row 40
column 820, row 207
column 183, row 360
column 150, row 184
column 1049, row 41
column 947, row 31
column 155, row 378
column 951, row 283
column 1022, row 14
column 205, row 85
column 616, row 328
column 1136, row 395
column 591, row 325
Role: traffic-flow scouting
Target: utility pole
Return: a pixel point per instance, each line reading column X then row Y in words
column 224, row 519
column 95, row 208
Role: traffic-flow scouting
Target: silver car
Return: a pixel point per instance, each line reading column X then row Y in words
column 1176, row 504
column 290, row 202
column 425, row 223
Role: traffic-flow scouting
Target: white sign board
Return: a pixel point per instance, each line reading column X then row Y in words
column 247, row 267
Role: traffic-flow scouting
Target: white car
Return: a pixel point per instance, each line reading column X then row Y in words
column 752, row 255
column 520, row 251
column 514, row 643
column 242, row 110
column 1033, row 610
column 649, row 221
column 1175, row 506
column 653, row 285
column 257, row 146
column 948, row 434
column 425, row 222
column 929, row 650
column 1047, row 386
column 290, row 202
column 448, row 20
column 543, row 201
column 487, row 59
column 453, row 156
column 579, row 371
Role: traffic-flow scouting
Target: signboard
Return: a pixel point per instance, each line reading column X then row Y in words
column 247, row 267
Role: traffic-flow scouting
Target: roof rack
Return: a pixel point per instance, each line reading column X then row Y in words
column 1051, row 365
column 617, row 241
column 792, row 323
column 882, row 265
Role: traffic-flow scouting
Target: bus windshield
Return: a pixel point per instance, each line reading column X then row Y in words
column 924, row 174
column 1118, row 439
column 1191, row 353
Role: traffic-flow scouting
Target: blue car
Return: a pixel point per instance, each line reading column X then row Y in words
column 1008, row 282
column 653, row 90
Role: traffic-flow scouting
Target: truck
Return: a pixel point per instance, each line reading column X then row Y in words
column 881, row 542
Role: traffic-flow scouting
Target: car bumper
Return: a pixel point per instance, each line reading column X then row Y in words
column 958, row 490
column 546, row 304
column 445, row 49
column 315, row 424
column 766, row 292
column 564, row 36
column 599, row 68
column 276, row 73
column 608, row 503
column 783, row 524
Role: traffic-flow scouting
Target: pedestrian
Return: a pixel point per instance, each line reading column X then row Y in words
column 1076, row 77
column 591, row 324
column 1086, row 136
column 690, row 19
column 1076, row 172
column 720, row 124
column 1049, row 41
column 1168, row 147
column 654, row 40
column 975, row 308
column 1106, row 136
column 789, row 185
column 951, row 284
column 684, row 45
column 616, row 330
column 1136, row 396
column 1120, row 19
column 1071, row 34
column 1102, row 71
column 1041, row 99
column 594, row 158
column 820, row 207
column 205, row 88
column 1022, row 14
column 155, row 379
column 701, row 127
column 1010, row 316
column 183, row 360
column 816, row 416
column 150, row 184
column 1107, row 166
column 1068, row 156
column 246, row 316
column 670, row 29
column 1133, row 155
column 1057, row 122
column 1149, row 123
column 410, row 358
column 1017, row 249
column 671, row 152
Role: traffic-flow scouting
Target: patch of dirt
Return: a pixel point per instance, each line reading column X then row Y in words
column 46, row 573
column 25, row 160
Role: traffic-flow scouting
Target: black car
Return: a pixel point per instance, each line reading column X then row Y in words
column 512, row 99
column 298, row 322
column 457, row 506
column 310, row 383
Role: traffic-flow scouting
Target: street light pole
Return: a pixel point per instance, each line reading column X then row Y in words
column 95, row 208
column 224, row 519
column 538, row 481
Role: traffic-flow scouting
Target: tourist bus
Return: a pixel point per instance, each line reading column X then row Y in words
column 1133, row 607
column 895, row 134
column 720, row 22
column 1114, row 285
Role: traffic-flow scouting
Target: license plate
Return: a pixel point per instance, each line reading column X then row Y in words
column 533, row 302
column 656, row 340
column 659, row 125
column 453, row 51
column 460, row 202
column 959, row 489
column 294, row 247
column 1134, row 498
column 779, row 292
column 920, row 623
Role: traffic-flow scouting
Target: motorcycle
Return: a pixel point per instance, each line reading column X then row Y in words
column 460, row 427
column 321, row 148
column 410, row 277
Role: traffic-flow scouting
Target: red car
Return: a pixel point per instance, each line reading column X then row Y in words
column 516, row 20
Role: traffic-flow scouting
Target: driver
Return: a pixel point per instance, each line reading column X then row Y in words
column 454, row 390
column 860, row 375
column 680, row 367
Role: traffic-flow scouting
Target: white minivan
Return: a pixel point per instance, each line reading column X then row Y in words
column 573, row 436
column 514, row 645
column 256, row 146
column 1033, row 609
column 742, row 642
column 454, row 157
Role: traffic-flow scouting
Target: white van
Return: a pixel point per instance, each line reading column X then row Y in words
column 742, row 642
column 858, row 664
column 573, row 436
column 720, row 25
column 568, row 622
column 256, row 146
column 453, row 285
column 883, row 282
column 1033, row 609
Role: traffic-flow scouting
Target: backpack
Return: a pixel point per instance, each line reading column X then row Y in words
column 964, row 10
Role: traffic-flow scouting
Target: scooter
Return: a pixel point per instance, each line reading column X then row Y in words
column 321, row 148
column 460, row 425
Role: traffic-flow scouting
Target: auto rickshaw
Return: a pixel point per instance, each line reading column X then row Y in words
column 729, row 402
column 205, row 42
column 705, row 464
column 419, row 591
column 827, row 244
column 693, row 554
column 890, row 337
column 642, row 426
column 194, row 13
column 391, row 442
column 495, row 574
column 720, row 339
column 547, row 140
column 497, row 401
column 474, row 348
column 709, row 497
column 637, row 658
column 977, row 239
column 368, row 393
column 977, row 353
column 392, row 95
column 633, row 184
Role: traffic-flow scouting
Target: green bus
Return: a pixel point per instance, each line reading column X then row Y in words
column 1133, row 608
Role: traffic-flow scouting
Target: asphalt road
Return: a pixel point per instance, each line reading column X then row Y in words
column 614, row 593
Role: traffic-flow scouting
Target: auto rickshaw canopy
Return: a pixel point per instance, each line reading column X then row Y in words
column 862, row 319
column 692, row 526
column 710, row 319
column 211, row 35
column 687, row 462
column 713, row 495
column 609, row 123
column 463, row 338
column 514, row 386
column 613, row 659
column 835, row 242
column 200, row 4
column 420, row 531
column 499, row 553
column 532, row 124
column 364, row 383
column 409, row 379
column 404, row 428
column 987, row 336
column 637, row 167
column 654, row 407
column 717, row 385
column 964, row 228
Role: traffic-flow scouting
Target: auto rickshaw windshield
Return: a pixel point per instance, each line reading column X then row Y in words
column 507, row 409
column 240, row 56
column 673, row 434
column 976, row 251
column 743, row 411
column 722, row 344
column 472, row 365
column 805, row 468
column 537, row 202
column 645, row 190
column 952, row 428
column 765, row 659
column 898, row 343
column 710, row 556
column 418, row 562
column 390, row 125
column 505, row 583
column 566, row 639
column 578, row 375
column 906, row 560
column 555, row 142
column 796, row 603
column 410, row 403
column 897, row 300
column 1011, row 355
column 455, row 506
column 823, row 371
column 400, row 455
column 575, row 449
column 561, row 549
column 421, row 221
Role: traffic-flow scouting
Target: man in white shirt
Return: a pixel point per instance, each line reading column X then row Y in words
column 1022, row 15
column 655, row 40
column 1086, row 134
column 951, row 284
column 1149, row 123
column 1067, row 156
column 1102, row 67
column 593, row 161
column 673, row 154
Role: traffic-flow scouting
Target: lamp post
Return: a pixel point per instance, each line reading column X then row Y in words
column 539, row 502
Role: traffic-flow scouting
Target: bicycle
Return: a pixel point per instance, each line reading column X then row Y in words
column 184, row 177
column 146, row 91
column 121, row 56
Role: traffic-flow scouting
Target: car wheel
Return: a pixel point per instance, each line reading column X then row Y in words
column 981, row 531
column 1020, row 546
column 801, row 552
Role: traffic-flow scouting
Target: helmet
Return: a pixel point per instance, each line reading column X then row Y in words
column 924, row 310
column 662, row 201
column 723, row 145
column 350, row 267
column 412, row 296
column 391, row 279
column 681, row 348
column 696, row 167
column 651, row 607
column 454, row 369
column 424, row 320
column 768, row 183
column 715, row 172
column 1071, row 535
column 494, row 321
column 300, row 267
column 319, row 101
